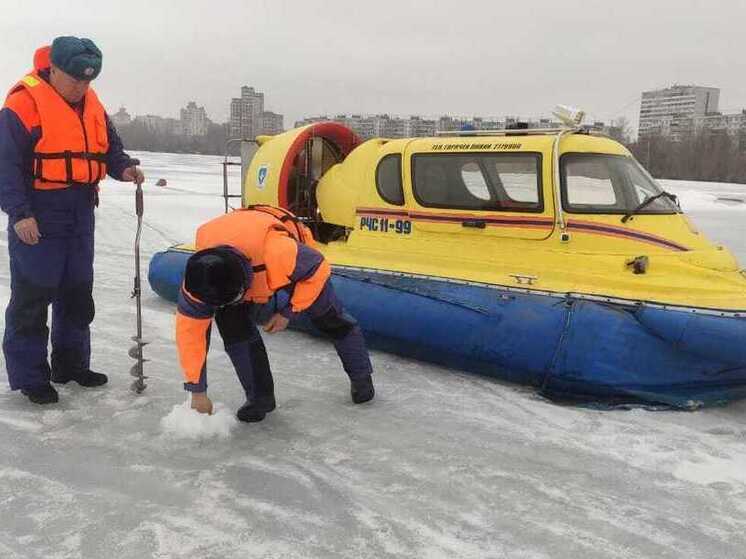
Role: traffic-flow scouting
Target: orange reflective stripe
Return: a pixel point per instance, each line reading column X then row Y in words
column 307, row 291
column 191, row 341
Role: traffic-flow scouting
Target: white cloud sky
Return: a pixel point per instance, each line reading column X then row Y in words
column 489, row 58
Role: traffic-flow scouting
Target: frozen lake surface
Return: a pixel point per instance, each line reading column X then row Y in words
column 441, row 464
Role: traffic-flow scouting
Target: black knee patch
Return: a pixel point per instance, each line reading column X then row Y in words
column 235, row 323
column 334, row 324
column 79, row 306
column 28, row 309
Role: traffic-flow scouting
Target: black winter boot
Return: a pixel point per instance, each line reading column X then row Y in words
column 44, row 394
column 85, row 378
column 361, row 389
column 251, row 412
column 266, row 403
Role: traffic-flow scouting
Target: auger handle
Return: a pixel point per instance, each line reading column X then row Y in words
column 139, row 204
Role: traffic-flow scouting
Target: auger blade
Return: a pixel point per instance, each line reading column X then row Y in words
column 138, row 386
column 135, row 351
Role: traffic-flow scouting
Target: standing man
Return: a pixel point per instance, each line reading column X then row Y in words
column 242, row 259
column 56, row 144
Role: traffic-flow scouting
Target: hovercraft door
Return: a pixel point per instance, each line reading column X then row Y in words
column 312, row 162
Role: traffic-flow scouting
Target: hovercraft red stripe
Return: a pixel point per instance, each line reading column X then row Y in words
column 597, row 228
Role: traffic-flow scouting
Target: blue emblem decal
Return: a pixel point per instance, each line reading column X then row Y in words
column 261, row 176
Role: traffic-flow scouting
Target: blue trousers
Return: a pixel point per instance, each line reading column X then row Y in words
column 246, row 350
column 58, row 271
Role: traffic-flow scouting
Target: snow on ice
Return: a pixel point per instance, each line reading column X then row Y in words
column 441, row 464
column 185, row 423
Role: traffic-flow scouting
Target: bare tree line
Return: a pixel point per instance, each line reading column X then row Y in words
column 702, row 155
column 139, row 136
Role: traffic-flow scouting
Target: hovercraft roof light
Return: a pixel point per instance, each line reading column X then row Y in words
column 501, row 132
column 570, row 118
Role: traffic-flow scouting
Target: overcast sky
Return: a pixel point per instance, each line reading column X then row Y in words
column 465, row 57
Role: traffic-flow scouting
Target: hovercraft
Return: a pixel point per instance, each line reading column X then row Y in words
column 543, row 257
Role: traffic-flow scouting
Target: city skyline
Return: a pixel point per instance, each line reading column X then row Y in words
column 668, row 111
column 680, row 110
column 398, row 125
column 247, row 118
column 329, row 58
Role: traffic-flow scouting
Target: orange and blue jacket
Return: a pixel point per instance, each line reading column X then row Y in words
column 47, row 144
column 280, row 252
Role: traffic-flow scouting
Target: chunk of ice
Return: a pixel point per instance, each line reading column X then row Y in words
column 185, row 423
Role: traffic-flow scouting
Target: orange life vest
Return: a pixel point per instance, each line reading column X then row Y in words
column 248, row 235
column 72, row 147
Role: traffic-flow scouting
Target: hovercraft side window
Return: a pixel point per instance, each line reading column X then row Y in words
column 479, row 181
column 608, row 184
column 388, row 179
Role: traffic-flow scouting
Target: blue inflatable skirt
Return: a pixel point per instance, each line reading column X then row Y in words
column 570, row 349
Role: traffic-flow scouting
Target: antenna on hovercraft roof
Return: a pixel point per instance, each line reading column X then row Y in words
column 569, row 116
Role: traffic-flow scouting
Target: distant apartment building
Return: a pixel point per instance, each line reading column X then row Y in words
column 174, row 126
column 387, row 126
column 451, row 124
column 674, row 110
column 272, row 123
column 480, row 123
column 246, row 113
column 248, row 119
column 121, row 117
column 194, row 121
column 378, row 126
column 422, row 127
column 152, row 122
column 733, row 124
column 160, row 125
column 395, row 127
column 364, row 126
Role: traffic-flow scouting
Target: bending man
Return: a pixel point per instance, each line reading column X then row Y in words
column 242, row 259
